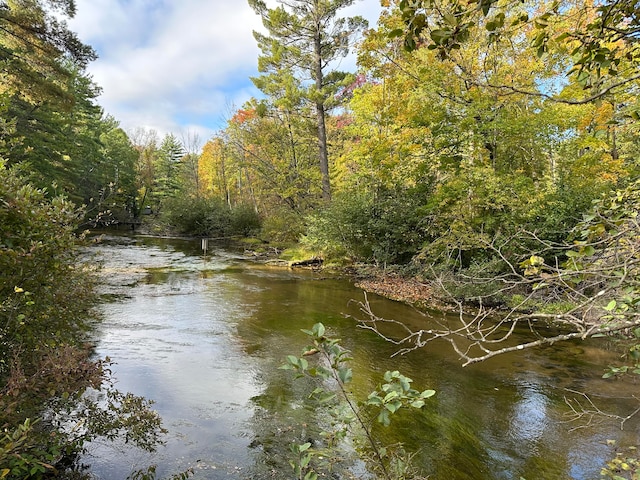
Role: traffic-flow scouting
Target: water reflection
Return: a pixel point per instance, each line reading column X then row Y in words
column 528, row 416
column 204, row 337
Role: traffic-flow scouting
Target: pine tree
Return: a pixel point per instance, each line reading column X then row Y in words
column 304, row 38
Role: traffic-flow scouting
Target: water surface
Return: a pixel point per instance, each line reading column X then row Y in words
column 204, row 336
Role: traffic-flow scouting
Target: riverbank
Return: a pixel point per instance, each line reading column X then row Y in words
column 369, row 278
column 397, row 287
column 386, row 283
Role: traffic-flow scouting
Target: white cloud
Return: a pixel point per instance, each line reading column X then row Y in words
column 172, row 65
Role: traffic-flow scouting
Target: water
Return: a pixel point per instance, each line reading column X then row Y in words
column 204, row 336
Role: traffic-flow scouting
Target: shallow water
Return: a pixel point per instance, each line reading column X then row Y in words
column 204, row 336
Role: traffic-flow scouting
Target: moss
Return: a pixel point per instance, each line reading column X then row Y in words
column 298, row 253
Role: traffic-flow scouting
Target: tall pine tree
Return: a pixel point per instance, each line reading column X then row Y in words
column 304, row 38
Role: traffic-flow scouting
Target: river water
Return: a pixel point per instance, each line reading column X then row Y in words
column 203, row 336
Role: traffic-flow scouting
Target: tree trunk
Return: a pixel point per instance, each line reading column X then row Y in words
column 323, row 155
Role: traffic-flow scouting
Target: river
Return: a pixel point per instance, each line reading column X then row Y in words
column 203, row 336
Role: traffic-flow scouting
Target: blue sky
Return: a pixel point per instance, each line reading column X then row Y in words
column 178, row 66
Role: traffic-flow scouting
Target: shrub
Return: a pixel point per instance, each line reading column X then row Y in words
column 245, row 221
column 211, row 217
column 47, row 297
column 282, row 226
column 45, row 366
column 383, row 228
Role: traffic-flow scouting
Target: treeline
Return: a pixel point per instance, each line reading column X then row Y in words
column 422, row 156
column 435, row 151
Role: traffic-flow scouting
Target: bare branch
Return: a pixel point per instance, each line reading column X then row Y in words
column 588, row 413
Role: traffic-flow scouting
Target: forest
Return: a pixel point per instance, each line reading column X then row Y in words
column 487, row 148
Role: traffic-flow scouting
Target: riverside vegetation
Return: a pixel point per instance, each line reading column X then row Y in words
column 486, row 149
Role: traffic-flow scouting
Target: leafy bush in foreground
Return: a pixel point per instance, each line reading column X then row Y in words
column 45, row 365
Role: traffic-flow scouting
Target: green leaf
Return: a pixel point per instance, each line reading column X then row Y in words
column 318, row 330
column 323, row 372
column 541, row 23
column 328, row 397
column 304, row 447
column 345, row 374
column 583, row 78
column 394, row 374
column 406, row 383
column 383, row 418
column 390, row 396
column 393, row 407
column 440, row 36
column 450, row 19
column 427, row 393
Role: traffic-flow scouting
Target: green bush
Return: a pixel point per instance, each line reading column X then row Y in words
column 282, row 226
column 326, row 362
column 46, row 296
column 211, row 217
column 194, row 215
column 245, row 221
column 383, row 228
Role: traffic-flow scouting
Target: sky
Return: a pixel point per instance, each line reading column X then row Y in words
column 178, row 66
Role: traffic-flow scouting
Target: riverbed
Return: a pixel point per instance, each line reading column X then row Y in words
column 203, row 336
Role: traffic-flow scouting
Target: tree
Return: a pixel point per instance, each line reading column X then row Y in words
column 492, row 162
column 119, row 182
column 146, row 144
column 275, row 158
column 34, row 44
column 190, row 171
column 212, row 170
column 167, row 169
column 304, row 37
column 598, row 39
column 57, row 131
